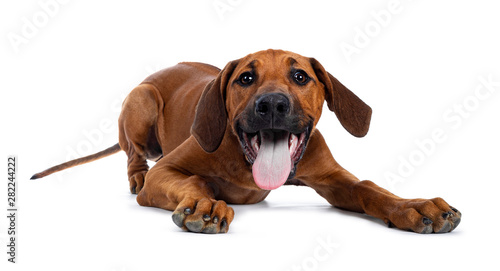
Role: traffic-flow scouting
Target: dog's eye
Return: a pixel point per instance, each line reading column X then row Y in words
column 246, row 78
column 300, row 77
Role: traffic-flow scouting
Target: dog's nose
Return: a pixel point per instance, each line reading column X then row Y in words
column 272, row 105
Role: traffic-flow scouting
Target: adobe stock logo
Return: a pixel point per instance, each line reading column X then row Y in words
column 224, row 6
column 32, row 25
column 324, row 250
column 95, row 137
column 453, row 118
column 363, row 36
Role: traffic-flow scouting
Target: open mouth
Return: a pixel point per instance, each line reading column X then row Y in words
column 273, row 154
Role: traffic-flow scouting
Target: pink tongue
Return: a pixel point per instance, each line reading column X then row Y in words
column 273, row 163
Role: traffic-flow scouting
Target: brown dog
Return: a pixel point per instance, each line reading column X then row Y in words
column 233, row 135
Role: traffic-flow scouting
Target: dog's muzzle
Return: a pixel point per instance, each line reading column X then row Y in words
column 273, row 140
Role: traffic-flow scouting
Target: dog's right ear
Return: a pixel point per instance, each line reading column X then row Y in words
column 210, row 120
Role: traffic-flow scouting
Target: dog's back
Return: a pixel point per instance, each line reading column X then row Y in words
column 180, row 88
column 158, row 114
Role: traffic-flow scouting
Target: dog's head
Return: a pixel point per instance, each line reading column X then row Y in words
column 272, row 101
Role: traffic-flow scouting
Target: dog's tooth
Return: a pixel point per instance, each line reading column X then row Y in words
column 255, row 144
column 302, row 137
column 293, row 143
column 256, row 147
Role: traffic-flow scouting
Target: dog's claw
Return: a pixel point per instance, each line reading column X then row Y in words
column 223, row 226
column 136, row 181
column 445, row 215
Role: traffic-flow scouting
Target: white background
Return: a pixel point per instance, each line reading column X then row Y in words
column 67, row 79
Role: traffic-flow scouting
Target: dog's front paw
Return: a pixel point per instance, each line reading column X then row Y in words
column 205, row 215
column 425, row 216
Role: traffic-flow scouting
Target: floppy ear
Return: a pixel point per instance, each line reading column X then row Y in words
column 210, row 120
column 352, row 112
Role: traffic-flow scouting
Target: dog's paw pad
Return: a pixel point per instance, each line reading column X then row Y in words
column 195, row 226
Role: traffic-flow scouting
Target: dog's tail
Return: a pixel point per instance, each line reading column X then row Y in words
column 79, row 161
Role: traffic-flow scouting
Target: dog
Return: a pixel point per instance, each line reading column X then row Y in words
column 233, row 135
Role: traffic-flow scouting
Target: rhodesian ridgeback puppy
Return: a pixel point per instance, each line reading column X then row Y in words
column 233, row 135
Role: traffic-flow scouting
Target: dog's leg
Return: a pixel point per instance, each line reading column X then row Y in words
column 343, row 190
column 190, row 197
column 137, row 132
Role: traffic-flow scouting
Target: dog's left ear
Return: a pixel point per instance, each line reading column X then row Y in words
column 352, row 112
column 210, row 120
